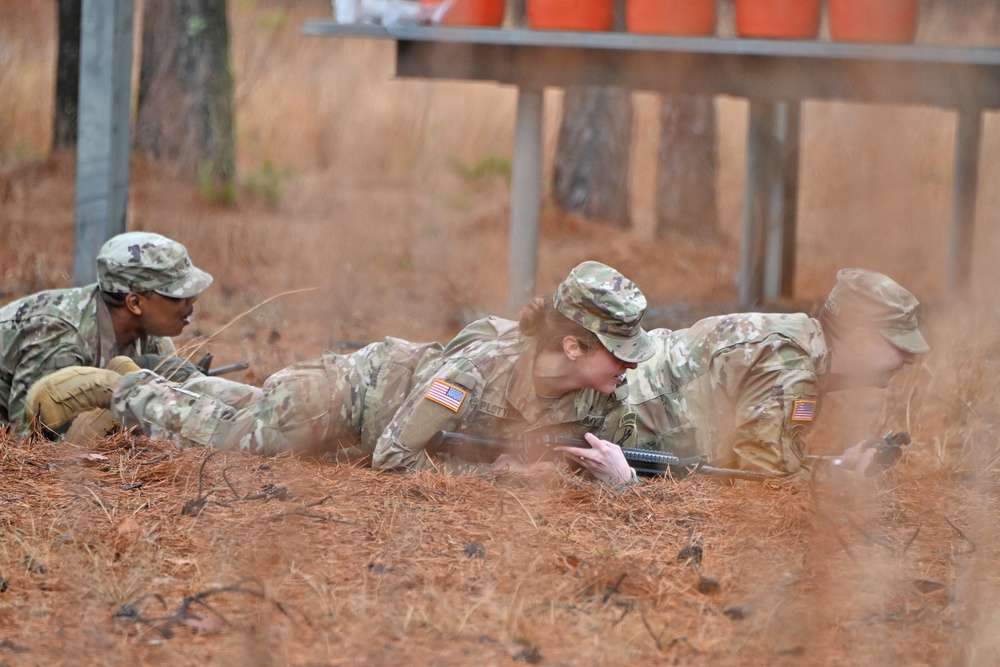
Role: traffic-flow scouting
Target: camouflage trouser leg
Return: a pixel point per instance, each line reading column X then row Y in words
column 235, row 394
column 162, row 410
column 296, row 410
column 99, row 423
column 319, row 406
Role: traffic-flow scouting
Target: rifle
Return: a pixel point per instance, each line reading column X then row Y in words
column 888, row 450
column 646, row 462
column 204, row 366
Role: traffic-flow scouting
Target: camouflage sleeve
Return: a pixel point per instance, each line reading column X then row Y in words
column 44, row 348
column 774, row 413
column 441, row 402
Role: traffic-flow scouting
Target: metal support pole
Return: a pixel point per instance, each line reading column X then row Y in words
column 525, row 198
column 104, row 136
column 963, row 199
column 782, row 254
column 767, row 255
column 757, row 204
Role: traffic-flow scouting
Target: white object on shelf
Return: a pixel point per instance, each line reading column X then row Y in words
column 345, row 11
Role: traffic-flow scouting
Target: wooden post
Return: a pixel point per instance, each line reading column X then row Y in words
column 105, row 130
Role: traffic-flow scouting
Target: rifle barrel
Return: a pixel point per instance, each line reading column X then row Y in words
column 230, row 368
column 734, row 473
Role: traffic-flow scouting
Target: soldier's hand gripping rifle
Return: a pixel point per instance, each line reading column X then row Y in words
column 534, row 449
column 888, row 450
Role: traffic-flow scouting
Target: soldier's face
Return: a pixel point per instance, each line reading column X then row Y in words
column 879, row 360
column 602, row 370
column 164, row 315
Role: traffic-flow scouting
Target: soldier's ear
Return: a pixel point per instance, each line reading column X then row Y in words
column 571, row 348
column 133, row 303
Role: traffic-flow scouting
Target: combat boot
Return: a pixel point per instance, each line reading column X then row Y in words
column 91, row 425
column 98, row 423
column 59, row 397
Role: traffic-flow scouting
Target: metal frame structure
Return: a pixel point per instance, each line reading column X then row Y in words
column 775, row 76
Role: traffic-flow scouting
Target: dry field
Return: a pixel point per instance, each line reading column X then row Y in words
column 363, row 214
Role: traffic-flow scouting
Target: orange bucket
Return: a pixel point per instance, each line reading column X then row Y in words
column 471, row 12
column 671, row 17
column 778, row 19
column 893, row 21
column 571, row 14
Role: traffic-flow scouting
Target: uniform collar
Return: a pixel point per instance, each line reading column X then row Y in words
column 107, row 345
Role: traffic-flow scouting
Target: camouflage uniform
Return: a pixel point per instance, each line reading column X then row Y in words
column 389, row 398
column 744, row 389
column 323, row 405
column 484, row 384
column 737, row 388
column 50, row 330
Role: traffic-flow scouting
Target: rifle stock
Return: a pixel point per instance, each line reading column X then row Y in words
column 647, row 463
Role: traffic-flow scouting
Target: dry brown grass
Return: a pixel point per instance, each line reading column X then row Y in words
column 297, row 562
column 302, row 562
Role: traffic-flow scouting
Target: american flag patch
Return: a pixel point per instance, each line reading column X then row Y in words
column 446, row 394
column 802, row 411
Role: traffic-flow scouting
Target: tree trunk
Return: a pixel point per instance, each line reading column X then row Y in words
column 591, row 172
column 592, row 154
column 67, row 106
column 185, row 109
column 685, row 183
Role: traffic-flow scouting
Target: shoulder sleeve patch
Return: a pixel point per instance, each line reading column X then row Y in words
column 446, row 394
column 803, row 411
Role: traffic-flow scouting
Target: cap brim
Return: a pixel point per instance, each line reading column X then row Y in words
column 632, row 350
column 193, row 284
column 908, row 341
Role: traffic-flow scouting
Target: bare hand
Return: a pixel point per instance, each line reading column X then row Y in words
column 858, row 457
column 604, row 460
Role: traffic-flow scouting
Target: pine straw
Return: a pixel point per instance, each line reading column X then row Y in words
column 136, row 551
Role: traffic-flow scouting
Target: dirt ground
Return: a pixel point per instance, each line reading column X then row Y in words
column 370, row 218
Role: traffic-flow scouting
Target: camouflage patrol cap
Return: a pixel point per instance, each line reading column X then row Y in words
column 147, row 262
column 866, row 297
column 603, row 301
